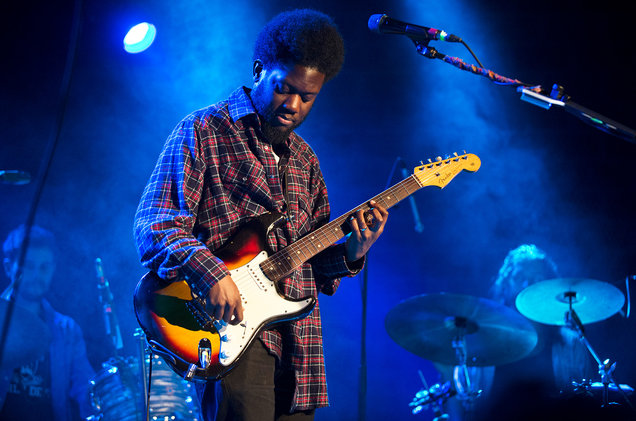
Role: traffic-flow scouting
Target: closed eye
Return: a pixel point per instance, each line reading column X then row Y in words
column 285, row 89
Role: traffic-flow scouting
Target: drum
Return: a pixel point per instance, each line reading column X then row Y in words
column 114, row 391
column 171, row 397
column 117, row 392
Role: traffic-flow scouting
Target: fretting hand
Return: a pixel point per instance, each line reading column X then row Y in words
column 366, row 228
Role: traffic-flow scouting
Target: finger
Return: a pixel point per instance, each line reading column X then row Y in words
column 228, row 313
column 238, row 315
column 361, row 217
column 217, row 312
column 380, row 218
column 381, row 209
column 356, row 225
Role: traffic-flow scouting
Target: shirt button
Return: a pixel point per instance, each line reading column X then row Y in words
column 266, row 147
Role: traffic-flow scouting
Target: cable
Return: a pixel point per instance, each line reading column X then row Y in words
column 471, row 53
column 430, row 52
column 149, row 385
column 629, row 300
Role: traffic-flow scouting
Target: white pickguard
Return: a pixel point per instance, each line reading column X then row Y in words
column 261, row 304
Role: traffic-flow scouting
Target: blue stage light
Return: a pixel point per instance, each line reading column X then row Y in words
column 139, row 37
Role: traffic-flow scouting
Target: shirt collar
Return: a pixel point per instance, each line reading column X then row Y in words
column 240, row 104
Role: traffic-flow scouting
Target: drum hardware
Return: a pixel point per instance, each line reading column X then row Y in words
column 588, row 387
column 144, row 353
column 461, row 377
column 605, row 368
column 433, row 396
column 461, row 331
column 170, row 404
column 573, row 302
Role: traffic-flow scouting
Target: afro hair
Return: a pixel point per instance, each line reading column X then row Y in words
column 305, row 37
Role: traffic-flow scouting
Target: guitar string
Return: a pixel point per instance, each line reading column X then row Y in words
column 331, row 232
column 282, row 262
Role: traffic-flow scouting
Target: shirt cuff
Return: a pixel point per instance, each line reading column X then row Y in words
column 203, row 271
column 332, row 263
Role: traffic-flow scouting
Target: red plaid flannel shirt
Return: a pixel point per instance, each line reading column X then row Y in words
column 215, row 173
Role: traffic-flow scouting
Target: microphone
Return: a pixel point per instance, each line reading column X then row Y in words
column 419, row 227
column 106, row 299
column 382, row 24
column 14, row 177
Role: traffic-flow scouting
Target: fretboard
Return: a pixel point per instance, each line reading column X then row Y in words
column 285, row 261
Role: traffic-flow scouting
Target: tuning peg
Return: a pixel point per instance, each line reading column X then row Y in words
column 439, row 158
column 430, row 161
column 455, row 153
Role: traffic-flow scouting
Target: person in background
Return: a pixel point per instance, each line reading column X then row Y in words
column 45, row 372
column 557, row 360
column 559, row 357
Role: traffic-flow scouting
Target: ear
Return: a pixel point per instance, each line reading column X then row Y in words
column 257, row 71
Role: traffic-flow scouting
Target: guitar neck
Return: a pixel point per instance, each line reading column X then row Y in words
column 285, row 261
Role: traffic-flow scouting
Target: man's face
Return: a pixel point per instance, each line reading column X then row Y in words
column 283, row 96
column 39, row 265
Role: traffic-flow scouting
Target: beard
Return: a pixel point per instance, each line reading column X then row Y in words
column 275, row 135
column 273, row 131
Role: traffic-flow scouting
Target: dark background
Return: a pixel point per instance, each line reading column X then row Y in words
column 546, row 177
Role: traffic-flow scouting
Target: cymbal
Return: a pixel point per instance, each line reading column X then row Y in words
column 548, row 301
column 27, row 339
column 427, row 325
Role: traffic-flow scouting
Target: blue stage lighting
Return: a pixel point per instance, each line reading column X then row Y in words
column 139, row 37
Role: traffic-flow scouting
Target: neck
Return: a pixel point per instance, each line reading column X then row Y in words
column 34, row 307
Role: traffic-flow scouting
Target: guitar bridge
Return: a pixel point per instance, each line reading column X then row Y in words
column 200, row 315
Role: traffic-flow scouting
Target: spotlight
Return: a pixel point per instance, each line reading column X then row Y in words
column 139, row 37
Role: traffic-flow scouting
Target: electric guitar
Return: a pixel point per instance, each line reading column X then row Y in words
column 198, row 347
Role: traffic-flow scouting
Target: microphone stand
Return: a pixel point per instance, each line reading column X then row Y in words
column 362, row 392
column 362, row 378
column 536, row 95
column 45, row 166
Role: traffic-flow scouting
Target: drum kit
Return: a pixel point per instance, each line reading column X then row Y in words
column 467, row 332
column 119, row 391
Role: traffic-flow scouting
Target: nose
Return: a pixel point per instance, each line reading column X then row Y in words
column 292, row 103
